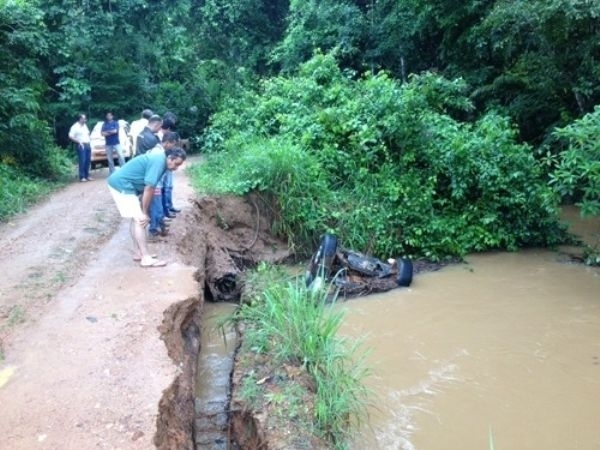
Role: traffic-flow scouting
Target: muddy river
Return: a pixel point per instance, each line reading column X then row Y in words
column 501, row 352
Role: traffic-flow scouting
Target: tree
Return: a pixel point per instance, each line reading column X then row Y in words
column 321, row 25
column 539, row 61
column 25, row 139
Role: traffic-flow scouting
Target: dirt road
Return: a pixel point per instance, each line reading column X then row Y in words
column 82, row 362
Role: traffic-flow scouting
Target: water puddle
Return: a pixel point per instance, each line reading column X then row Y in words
column 507, row 346
column 215, row 363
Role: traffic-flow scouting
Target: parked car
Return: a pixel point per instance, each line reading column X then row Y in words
column 98, row 144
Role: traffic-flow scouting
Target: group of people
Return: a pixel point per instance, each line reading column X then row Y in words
column 143, row 187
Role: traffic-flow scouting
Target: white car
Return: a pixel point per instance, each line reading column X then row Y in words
column 98, row 144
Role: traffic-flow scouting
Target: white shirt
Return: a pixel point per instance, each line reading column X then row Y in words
column 136, row 128
column 80, row 133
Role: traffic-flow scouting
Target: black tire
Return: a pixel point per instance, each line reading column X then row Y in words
column 405, row 272
column 324, row 256
column 329, row 246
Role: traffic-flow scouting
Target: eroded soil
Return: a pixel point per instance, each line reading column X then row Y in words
column 98, row 352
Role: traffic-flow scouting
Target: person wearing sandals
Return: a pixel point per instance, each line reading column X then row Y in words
column 140, row 176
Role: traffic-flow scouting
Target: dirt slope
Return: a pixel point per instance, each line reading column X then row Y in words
column 84, row 366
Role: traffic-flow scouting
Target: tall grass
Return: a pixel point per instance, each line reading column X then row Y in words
column 18, row 191
column 295, row 326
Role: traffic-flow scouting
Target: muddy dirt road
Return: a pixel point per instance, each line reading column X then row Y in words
column 83, row 365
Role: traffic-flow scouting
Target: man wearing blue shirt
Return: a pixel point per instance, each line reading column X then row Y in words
column 140, row 176
column 110, row 131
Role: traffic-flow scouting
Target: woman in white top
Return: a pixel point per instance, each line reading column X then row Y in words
column 80, row 135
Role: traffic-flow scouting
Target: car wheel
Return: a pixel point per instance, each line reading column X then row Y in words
column 405, row 272
column 324, row 256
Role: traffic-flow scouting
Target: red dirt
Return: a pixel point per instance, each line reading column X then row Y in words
column 97, row 351
column 84, row 365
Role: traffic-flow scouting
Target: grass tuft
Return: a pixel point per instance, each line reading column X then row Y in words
column 291, row 326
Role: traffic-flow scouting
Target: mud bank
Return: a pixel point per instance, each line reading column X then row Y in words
column 180, row 331
column 223, row 237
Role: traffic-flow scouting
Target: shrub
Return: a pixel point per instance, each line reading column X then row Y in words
column 388, row 167
column 576, row 173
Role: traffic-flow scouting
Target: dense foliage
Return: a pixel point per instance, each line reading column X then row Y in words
column 534, row 64
column 576, row 173
column 25, row 136
column 382, row 164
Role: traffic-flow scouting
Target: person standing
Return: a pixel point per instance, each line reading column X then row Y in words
column 148, row 139
column 110, row 131
column 137, row 126
column 168, row 126
column 157, row 216
column 79, row 133
column 140, row 176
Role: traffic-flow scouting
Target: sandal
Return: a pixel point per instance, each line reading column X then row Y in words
column 153, row 262
column 139, row 258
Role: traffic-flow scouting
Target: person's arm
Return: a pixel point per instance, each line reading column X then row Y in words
column 108, row 129
column 147, row 196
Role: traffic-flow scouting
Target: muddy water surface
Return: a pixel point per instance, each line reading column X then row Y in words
column 505, row 347
column 215, row 363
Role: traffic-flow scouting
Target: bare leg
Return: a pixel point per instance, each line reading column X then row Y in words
column 138, row 234
column 136, row 248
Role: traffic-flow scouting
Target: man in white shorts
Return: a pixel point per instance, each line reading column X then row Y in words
column 139, row 176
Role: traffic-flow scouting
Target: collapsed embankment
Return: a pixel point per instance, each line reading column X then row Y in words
column 223, row 237
column 181, row 333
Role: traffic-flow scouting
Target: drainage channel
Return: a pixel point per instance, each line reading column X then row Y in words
column 215, row 363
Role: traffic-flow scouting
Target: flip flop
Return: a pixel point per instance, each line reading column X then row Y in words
column 153, row 263
column 139, row 258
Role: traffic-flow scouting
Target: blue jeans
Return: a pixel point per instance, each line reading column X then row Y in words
column 156, row 213
column 109, row 155
column 84, row 155
column 167, row 191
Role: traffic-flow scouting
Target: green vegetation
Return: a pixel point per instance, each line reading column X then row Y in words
column 386, row 166
column 427, row 94
column 296, row 328
column 576, row 173
column 491, row 439
column 19, row 190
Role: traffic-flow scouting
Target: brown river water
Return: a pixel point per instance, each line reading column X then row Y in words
column 501, row 352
